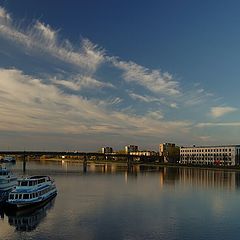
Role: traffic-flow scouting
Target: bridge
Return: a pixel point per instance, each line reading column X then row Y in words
column 86, row 156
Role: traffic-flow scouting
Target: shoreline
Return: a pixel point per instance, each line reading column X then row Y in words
column 169, row 165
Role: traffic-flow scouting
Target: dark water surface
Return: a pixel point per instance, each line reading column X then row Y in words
column 109, row 202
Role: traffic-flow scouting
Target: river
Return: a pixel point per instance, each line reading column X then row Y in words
column 110, row 202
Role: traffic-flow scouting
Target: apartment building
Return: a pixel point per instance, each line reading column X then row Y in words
column 228, row 155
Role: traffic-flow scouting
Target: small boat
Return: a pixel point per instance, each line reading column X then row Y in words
column 7, row 179
column 8, row 159
column 32, row 191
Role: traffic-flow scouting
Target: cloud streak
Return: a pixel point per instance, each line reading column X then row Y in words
column 71, row 91
column 153, row 80
column 220, row 111
column 81, row 82
column 43, row 39
column 28, row 104
column 218, row 124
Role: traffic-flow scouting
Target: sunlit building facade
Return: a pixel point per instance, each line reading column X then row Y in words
column 131, row 148
column 107, row 150
column 144, row 153
column 228, row 155
column 169, row 152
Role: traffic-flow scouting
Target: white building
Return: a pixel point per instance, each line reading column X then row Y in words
column 211, row 155
column 131, row 148
column 107, row 150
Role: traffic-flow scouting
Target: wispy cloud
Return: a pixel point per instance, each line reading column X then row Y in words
column 4, row 16
column 62, row 95
column 143, row 98
column 28, row 104
column 218, row 124
column 220, row 111
column 79, row 82
column 43, row 39
column 152, row 99
column 153, row 80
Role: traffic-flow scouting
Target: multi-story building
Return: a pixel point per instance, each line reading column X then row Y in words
column 107, row 150
column 131, row 148
column 228, row 155
column 169, row 152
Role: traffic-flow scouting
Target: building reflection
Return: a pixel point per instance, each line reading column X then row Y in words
column 28, row 219
column 208, row 178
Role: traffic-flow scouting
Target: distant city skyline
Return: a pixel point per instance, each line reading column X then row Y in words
column 82, row 75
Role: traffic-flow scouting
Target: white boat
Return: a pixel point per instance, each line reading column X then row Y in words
column 32, row 191
column 8, row 159
column 7, row 179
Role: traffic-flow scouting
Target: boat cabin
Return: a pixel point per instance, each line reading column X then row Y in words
column 32, row 181
column 29, row 195
column 3, row 171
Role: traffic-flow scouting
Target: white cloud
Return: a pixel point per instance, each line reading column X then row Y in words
column 42, row 38
column 4, row 16
column 151, row 99
column 173, row 105
column 31, row 104
column 195, row 96
column 78, row 82
column 143, row 98
column 46, row 32
column 220, row 111
column 155, row 115
column 153, row 80
column 28, row 104
column 218, row 124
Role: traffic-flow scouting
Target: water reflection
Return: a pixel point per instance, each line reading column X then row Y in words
column 28, row 219
column 3, row 196
column 206, row 178
column 113, row 201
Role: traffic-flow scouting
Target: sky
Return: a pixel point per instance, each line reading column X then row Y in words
column 80, row 75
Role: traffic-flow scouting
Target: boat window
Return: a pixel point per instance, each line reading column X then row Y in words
column 30, row 183
column 24, row 183
column 25, row 196
column 11, row 196
column 20, row 196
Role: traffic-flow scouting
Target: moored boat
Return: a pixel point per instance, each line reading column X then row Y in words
column 7, row 179
column 32, row 191
column 8, row 159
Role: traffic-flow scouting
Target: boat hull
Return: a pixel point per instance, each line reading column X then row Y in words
column 15, row 206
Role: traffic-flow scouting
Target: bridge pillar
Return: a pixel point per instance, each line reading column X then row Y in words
column 85, row 163
column 24, row 162
column 130, row 163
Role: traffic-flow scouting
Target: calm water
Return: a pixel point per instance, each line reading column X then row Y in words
column 108, row 202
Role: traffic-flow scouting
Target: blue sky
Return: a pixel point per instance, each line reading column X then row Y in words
column 78, row 75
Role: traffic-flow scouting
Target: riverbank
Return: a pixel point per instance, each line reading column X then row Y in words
column 170, row 165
